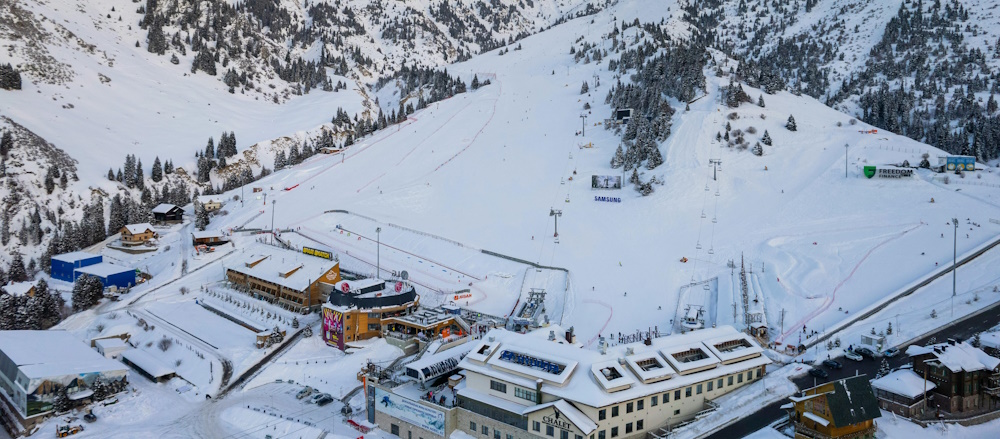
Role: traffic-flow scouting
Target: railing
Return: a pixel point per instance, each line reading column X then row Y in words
column 806, row 431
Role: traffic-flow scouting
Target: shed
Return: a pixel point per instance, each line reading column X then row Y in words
column 111, row 347
column 209, row 237
column 148, row 365
column 135, row 234
column 168, row 213
column 109, row 274
column 211, row 203
column 64, row 265
column 20, row 289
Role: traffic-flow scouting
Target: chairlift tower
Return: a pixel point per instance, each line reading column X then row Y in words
column 715, row 167
column 555, row 214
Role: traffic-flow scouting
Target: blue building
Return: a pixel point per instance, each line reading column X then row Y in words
column 109, row 274
column 65, row 264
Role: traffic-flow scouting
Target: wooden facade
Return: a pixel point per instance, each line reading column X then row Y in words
column 362, row 324
column 843, row 409
column 958, row 391
column 137, row 234
column 293, row 299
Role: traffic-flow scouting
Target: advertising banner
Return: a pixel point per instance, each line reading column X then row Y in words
column 333, row 328
column 960, row 163
column 410, row 411
column 606, row 182
column 317, row 252
column 872, row 171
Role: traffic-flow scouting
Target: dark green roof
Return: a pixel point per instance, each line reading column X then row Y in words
column 852, row 401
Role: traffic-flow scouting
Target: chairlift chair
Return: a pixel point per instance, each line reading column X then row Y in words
column 711, row 251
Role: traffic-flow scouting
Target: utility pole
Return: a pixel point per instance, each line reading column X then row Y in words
column 715, row 167
column 378, row 248
column 584, row 131
column 783, row 320
column 273, row 228
column 954, row 265
column 555, row 214
column 846, row 146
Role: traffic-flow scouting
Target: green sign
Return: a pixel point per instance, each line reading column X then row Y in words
column 869, row 171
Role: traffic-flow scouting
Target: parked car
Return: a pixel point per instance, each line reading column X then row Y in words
column 891, row 352
column 306, row 391
column 90, row 417
column 853, row 356
column 818, row 373
column 832, row 364
column 316, row 397
column 865, row 351
column 326, row 399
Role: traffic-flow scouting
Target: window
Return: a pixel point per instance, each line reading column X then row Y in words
column 638, row 425
column 687, row 392
column 486, row 430
column 549, row 431
column 628, row 408
column 677, row 395
column 698, row 389
column 472, row 426
column 666, row 397
column 759, row 372
column 498, row 386
column 640, row 404
column 653, row 401
column 409, row 434
column 536, row 426
column 601, row 414
column 394, row 429
column 730, row 381
column 373, row 327
column 524, row 394
column 600, row 435
column 510, row 436
column 710, row 385
column 496, row 434
column 677, row 412
column 739, row 378
column 628, row 428
column 563, row 434
column 749, row 375
column 578, row 437
column 614, row 411
column 614, row 431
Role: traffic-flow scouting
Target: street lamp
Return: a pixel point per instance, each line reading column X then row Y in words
column 954, row 265
column 378, row 247
column 273, row 202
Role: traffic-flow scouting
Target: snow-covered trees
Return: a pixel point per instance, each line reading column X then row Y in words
column 734, row 95
column 6, row 143
column 791, row 124
column 200, row 216
column 279, row 160
column 475, row 82
column 10, row 78
column 655, row 158
column 156, row 174
column 584, row 89
column 760, row 101
column 87, row 291
column 757, row 150
column 17, row 272
column 766, row 139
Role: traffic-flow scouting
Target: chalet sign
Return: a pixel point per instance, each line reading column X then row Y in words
column 556, row 420
column 532, row 362
column 872, row 171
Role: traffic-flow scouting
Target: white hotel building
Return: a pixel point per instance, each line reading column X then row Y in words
column 524, row 386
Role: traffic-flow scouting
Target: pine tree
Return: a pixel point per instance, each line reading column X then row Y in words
column 168, row 167
column 760, row 101
column 87, row 291
column 17, row 272
column 766, row 139
column 584, row 88
column 6, row 143
column 10, row 78
column 634, row 178
column 63, row 181
column 475, row 82
column 757, row 150
column 655, row 158
column 883, row 369
column 791, row 124
column 201, row 216
column 619, row 158
column 140, row 180
column 129, row 173
column 210, row 148
column 157, row 173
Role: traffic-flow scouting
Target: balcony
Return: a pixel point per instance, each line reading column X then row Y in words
column 801, row 429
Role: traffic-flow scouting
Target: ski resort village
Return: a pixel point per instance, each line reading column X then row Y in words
column 537, row 219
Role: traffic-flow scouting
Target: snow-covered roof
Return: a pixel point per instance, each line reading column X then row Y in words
column 575, row 383
column 903, row 383
column 104, row 269
column 205, row 199
column 136, row 229
column 442, row 362
column 18, row 288
column 72, row 257
column 958, row 357
column 43, row 354
column 203, row 234
column 147, row 362
column 570, row 412
column 816, row 419
column 275, row 262
column 990, row 340
column 111, row 343
column 164, row 208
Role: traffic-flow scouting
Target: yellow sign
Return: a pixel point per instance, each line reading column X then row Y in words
column 317, row 253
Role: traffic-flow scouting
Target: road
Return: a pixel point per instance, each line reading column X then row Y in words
column 958, row 330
